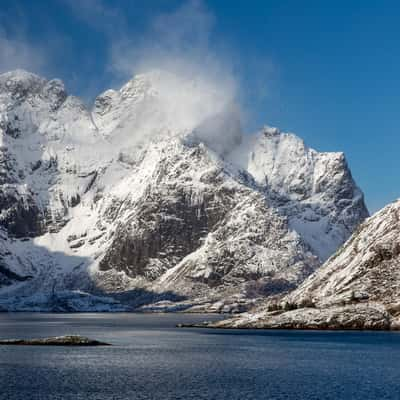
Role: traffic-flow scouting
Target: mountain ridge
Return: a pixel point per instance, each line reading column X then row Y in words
column 149, row 191
column 356, row 288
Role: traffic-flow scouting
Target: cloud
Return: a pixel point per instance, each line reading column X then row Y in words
column 19, row 49
column 17, row 52
column 195, row 84
column 178, row 41
column 98, row 15
column 187, row 27
column 182, row 41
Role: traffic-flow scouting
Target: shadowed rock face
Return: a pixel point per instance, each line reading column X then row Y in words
column 20, row 217
column 7, row 277
column 19, row 213
column 168, row 225
column 55, row 341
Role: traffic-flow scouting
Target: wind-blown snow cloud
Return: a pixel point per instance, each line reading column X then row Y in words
column 182, row 33
column 198, row 88
column 178, row 42
column 17, row 52
column 206, row 82
column 182, row 41
column 98, row 15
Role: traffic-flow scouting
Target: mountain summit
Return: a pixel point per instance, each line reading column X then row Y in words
column 156, row 199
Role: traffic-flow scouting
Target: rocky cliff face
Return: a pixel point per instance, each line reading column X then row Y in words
column 156, row 196
column 314, row 190
column 358, row 287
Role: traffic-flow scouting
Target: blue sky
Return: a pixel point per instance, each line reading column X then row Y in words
column 328, row 71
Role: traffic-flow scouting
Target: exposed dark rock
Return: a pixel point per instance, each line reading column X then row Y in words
column 7, row 276
column 166, row 228
column 20, row 215
column 55, row 341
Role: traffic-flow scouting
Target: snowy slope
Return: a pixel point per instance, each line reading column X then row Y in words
column 155, row 194
column 365, row 268
column 314, row 190
column 358, row 287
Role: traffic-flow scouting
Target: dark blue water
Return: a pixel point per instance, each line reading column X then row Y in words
column 151, row 359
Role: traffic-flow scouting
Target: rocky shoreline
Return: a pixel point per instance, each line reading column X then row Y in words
column 352, row 317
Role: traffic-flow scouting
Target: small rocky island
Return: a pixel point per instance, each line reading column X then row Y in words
column 72, row 340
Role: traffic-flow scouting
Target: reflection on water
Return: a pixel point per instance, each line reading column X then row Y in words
column 151, row 359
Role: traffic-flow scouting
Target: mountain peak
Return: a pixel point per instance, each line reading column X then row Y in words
column 270, row 131
column 20, row 80
column 161, row 103
column 20, row 75
column 20, row 83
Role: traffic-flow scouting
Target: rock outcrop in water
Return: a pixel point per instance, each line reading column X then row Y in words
column 156, row 196
column 54, row 341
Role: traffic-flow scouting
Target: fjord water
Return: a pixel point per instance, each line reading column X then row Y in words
column 151, row 359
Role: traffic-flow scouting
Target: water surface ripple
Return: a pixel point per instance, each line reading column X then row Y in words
column 151, row 359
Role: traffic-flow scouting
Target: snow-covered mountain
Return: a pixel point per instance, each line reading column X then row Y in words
column 365, row 268
column 156, row 196
column 358, row 287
